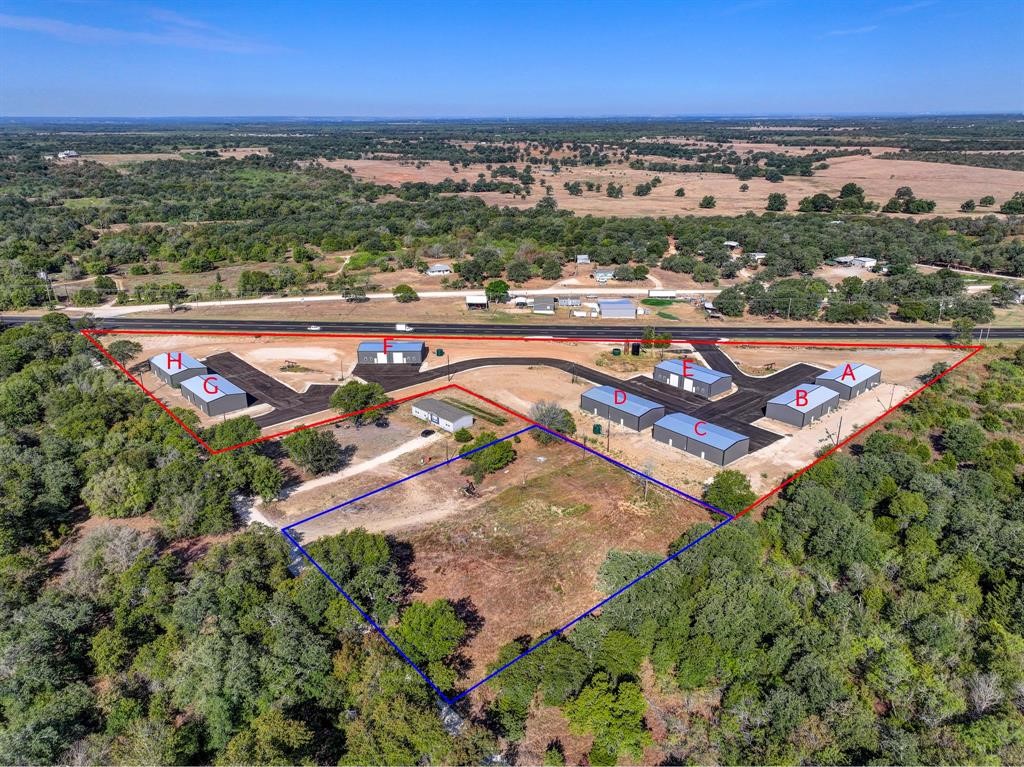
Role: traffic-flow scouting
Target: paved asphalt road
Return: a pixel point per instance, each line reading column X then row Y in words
column 770, row 329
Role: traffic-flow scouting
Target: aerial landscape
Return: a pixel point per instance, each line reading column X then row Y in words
column 370, row 403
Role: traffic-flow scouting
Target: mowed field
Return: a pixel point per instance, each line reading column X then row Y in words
column 948, row 185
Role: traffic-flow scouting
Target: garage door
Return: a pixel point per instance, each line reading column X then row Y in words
column 687, row 383
column 382, row 357
column 399, row 357
column 673, row 379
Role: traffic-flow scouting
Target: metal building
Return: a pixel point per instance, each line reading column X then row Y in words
column 814, row 402
column 704, row 440
column 442, row 414
column 409, row 352
column 851, row 379
column 214, row 394
column 689, row 376
column 544, row 305
column 617, row 309
column 174, row 367
column 621, row 407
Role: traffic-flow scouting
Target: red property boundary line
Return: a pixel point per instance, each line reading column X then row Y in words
column 973, row 348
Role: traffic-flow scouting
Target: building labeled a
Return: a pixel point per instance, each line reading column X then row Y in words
column 850, row 379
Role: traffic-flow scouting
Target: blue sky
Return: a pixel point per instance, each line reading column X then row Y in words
column 516, row 59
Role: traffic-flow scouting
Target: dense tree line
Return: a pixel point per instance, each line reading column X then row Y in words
column 118, row 649
column 875, row 614
column 1003, row 160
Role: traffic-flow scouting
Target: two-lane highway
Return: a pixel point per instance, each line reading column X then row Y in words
column 608, row 331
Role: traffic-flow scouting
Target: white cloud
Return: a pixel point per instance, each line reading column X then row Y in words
column 171, row 29
column 854, row 31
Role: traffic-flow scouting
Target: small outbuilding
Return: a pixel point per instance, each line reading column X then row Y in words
column 214, row 394
column 174, row 367
column 689, row 376
column 621, row 407
column 705, row 440
column 851, row 379
column 544, row 305
column 442, row 414
column 476, row 301
column 570, row 301
column 802, row 404
column 617, row 309
column 391, row 352
column 865, row 263
column 438, row 270
column 582, row 258
column 603, row 275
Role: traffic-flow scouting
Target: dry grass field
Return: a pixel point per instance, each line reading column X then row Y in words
column 949, row 185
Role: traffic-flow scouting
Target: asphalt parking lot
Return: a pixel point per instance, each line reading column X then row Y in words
column 265, row 389
column 737, row 411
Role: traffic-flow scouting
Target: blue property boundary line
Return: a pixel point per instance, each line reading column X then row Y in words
column 450, row 700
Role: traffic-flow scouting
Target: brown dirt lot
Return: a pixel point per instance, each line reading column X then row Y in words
column 527, row 558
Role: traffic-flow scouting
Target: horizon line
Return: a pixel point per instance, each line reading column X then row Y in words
column 748, row 116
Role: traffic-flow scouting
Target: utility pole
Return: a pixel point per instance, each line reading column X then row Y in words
column 608, row 443
column 840, row 430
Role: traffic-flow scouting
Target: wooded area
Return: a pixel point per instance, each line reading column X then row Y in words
column 875, row 614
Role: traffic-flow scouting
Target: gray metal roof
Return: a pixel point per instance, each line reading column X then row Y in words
column 697, row 372
column 441, row 409
column 393, row 346
column 861, row 372
column 223, row 386
column 633, row 405
column 686, row 426
column 816, row 395
column 188, row 362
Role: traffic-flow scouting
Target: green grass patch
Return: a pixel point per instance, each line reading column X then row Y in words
column 479, row 412
column 657, row 301
column 667, row 316
column 362, row 260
